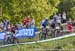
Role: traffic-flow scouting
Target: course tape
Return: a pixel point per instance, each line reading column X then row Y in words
column 57, row 38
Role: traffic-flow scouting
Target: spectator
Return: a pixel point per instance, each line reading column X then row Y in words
column 27, row 22
column 13, row 34
column 6, row 23
column 70, row 27
column 12, row 28
column 9, row 27
column 28, row 19
column 32, row 22
column 64, row 19
column 16, row 26
column 24, row 22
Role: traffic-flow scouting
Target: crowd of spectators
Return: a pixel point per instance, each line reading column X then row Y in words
column 11, row 29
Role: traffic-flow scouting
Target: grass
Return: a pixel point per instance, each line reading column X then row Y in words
column 66, row 43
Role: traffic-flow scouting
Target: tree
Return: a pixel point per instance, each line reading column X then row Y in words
column 68, row 6
column 36, row 8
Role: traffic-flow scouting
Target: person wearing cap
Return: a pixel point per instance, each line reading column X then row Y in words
column 44, row 22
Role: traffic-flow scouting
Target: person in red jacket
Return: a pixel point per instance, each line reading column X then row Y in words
column 12, row 28
column 26, row 21
column 70, row 27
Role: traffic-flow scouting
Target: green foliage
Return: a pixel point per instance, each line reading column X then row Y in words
column 54, row 2
column 35, row 8
column 44, row 45
column 23, row 8
column 68, row 6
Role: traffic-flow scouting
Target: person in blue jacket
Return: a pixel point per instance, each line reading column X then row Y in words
column 44, row 22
